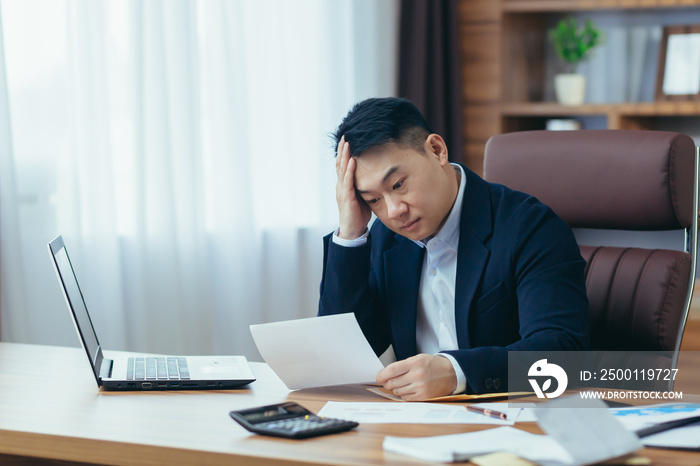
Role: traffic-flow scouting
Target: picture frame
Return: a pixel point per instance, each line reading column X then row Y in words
column 678, row 71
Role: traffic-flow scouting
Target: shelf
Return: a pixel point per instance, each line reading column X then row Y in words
column 642, row 109
column 544, row 6
column 506, row 75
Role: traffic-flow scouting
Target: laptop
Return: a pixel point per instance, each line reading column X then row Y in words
column 143, row 373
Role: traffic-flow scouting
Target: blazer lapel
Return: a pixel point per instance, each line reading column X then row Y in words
column 404, row 263
column 472, row 256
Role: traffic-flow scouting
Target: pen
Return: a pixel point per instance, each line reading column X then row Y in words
column 487, row 412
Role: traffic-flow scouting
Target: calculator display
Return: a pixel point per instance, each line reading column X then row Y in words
column 273, row 413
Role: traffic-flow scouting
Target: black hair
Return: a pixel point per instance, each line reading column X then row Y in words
column 378, row 121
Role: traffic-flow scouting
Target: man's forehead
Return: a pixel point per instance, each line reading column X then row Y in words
column 374, row 177
column 376, row 165
column 379, row 158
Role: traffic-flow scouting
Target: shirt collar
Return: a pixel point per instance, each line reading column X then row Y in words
column 449, row 233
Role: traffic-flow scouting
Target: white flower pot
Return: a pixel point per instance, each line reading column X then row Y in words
column 570, row 88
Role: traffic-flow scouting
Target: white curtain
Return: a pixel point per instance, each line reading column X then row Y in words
column 182, row 149
column 12, row 286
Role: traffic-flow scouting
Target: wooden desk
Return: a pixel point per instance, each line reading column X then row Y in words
column 50, row 408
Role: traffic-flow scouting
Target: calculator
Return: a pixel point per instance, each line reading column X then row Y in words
column 289, row 420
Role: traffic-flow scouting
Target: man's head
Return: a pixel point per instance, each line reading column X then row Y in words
column 379, row 121
column 403, row 173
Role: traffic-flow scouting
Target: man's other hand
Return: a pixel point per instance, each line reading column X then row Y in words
column 419, row 377
column 354, row 212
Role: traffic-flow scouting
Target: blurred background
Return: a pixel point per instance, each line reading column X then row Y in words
column 182, row 149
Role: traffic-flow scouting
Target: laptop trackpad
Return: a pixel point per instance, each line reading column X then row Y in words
column 208, row 367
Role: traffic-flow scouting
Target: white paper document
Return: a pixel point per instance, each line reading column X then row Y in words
column 410, row 413
column 578, row 434
column 527, row 411
column 318, row 351
column 461, row 447
column 586, row 429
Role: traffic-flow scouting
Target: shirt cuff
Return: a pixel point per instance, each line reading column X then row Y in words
column 461, row 378
column 350, row 243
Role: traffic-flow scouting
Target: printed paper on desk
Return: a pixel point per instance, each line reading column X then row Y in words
column 409, row 413
column 316, row 352
column 637, row 417
column 463, row 397
column 683, row 438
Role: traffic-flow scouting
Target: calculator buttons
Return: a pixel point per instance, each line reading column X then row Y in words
column 289, row 420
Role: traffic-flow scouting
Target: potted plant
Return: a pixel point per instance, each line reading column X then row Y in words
column 573, row 44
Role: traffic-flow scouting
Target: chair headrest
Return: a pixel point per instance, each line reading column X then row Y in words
column 615, row 179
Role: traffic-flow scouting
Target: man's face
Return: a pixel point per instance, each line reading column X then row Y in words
column 410, row 192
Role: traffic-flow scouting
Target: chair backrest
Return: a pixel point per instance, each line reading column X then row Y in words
column 622, row 180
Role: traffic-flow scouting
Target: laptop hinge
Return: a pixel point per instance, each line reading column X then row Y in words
column 106, row 368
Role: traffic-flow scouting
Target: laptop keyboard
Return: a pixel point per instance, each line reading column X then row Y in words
column 157, row 368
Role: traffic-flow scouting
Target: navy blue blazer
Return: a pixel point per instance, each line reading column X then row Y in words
column 519, row 287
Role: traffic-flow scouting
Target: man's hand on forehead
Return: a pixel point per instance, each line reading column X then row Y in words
column 354, row 214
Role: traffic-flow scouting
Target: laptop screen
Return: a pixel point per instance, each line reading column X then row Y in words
column 75, row 300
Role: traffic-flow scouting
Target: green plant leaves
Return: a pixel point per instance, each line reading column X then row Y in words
column 573, row 43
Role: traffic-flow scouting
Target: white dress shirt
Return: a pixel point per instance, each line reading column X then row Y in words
column 435, row 327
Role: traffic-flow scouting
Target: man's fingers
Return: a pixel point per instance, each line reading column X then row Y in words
column 340, row 144
column 339, row 153
column 350, row 175
column 397, row 383
column 344, row 161
column 391, row 371
column 413, row 396
column 406, row 393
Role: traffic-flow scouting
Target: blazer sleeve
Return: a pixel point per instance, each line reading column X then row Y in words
column 349, row 284
column 547, row 275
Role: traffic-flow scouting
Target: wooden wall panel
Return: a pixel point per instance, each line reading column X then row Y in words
column 480, row 66
column 480, row 123
column 480, row 32
column 476, row 11
column 475, row 155
column 523, row 48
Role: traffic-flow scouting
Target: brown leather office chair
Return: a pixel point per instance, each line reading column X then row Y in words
column 621, row 180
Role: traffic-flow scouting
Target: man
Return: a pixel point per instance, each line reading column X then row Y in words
column 455, row 272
